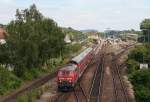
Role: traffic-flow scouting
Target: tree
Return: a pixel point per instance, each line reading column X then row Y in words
column 132, row 66
column 74, row 34
column 138, row 53
column 145, row 27
column 141, row 81
column 33, row 39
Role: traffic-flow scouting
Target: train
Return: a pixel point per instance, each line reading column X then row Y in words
column 69, row 74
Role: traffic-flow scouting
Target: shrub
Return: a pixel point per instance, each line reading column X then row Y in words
column 138, row 53
column 132, row 65
column 141, row 77
column 8, row 81
column 142, row 94
column 141, row 81
column 31, row 74
column 30, row 96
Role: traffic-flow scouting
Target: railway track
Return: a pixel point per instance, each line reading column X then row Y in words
column 78, row 91
column 44, row 79
column 79, row 94
column 36, row 83
column 119, row 91
column 97, row 84
column 62, row 97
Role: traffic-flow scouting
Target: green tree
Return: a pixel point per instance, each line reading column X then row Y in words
column 132, row 65
column 8, row 81
column 74, row 34
column 141, row 81
column 137, row 53
column 145, row 27
column 33, row 39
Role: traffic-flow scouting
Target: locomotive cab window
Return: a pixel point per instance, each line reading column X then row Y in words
column 61, row 73
column 65, row 72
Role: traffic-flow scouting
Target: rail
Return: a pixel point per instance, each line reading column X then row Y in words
column 32, row 85
column 120, row 92
column 79, row 93
column 96, row 87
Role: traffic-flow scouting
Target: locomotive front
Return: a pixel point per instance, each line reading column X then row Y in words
column 67, row 77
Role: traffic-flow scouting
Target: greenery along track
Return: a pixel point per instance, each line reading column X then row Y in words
column 32, row 41
column 28, row 87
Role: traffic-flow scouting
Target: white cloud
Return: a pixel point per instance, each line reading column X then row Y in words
column 82, row 14
column 7, row 1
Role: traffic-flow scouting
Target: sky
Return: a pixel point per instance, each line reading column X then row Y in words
column 84, row 14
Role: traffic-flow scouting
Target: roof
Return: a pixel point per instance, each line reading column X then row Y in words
column 69, row 67
column 79, row 58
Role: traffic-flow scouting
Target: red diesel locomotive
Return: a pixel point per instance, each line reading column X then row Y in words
column 68, row 75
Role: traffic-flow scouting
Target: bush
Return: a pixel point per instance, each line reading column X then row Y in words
column 141, row 81
column 8, row 81
column 70, row 49
column 141, row 77
column 75, row 47
column 31, row 74
column 132, row 66
column 138, row 53
column 142, row 94
column 30, row 96
column 23, row 98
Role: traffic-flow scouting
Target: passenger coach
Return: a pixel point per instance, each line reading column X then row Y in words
column 69, row 75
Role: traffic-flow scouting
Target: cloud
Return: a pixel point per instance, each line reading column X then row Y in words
column 82, row 14
column 7, row 1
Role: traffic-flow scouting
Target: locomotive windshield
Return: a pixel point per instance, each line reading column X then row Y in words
column 64, row 72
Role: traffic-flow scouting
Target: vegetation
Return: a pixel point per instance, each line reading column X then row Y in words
column 101, row 34
column 145, row 27
column 30, row 96
column 74, row 34
column 141, row 81
column 140, row 78
column 8, row 81
column 35, row 45
column 32, row 40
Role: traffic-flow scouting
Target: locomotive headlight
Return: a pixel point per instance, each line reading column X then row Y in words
column 61, row 78
column 69, row 78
